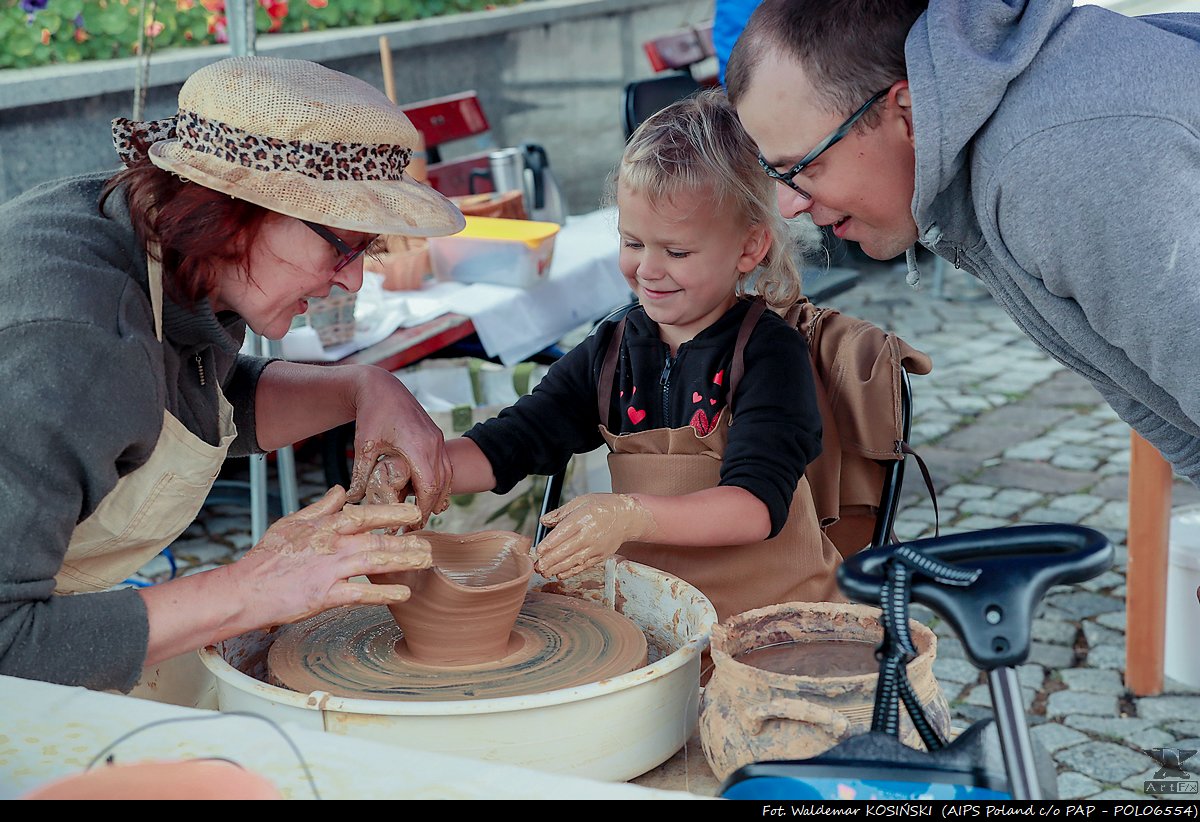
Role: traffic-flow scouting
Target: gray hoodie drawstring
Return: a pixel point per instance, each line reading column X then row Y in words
column 913, row 278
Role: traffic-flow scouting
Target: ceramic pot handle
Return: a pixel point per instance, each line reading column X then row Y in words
column 826, row 720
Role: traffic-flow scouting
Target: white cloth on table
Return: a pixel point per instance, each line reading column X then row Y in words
column 583, row 285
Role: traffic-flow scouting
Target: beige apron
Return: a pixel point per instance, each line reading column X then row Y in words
column 796, row 565
column 144, row 514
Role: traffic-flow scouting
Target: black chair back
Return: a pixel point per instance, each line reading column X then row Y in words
column 642, row 98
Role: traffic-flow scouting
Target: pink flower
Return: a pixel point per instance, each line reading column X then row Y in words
column 154, row 28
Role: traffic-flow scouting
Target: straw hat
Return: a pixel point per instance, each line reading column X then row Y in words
column 299, row 139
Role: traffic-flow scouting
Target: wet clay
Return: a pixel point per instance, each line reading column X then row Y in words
column 833, row 657
column 463, row 608
column 754, row 713
column 350, row 652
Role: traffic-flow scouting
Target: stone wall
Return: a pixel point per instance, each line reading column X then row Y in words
column 548, row 71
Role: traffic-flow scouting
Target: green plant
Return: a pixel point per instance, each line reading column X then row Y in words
column 44, row 32
column 41, row 32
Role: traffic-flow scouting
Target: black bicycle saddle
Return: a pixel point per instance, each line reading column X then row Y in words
column 993, row 614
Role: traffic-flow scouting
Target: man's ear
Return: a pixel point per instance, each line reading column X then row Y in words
column 756, row 246
column 900, row 100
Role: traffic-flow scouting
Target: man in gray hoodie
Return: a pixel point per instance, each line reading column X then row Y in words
column 1051, row 151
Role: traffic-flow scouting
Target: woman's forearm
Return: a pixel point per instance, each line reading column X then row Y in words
column 294, row 401
column 194, row 611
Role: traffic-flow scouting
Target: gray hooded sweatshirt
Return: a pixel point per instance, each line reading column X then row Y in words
column 1058, row 160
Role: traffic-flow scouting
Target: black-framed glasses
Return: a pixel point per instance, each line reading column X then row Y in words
column 786, row 177
column 349, row 254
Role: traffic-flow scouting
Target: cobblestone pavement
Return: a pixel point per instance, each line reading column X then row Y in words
column 1010, row 436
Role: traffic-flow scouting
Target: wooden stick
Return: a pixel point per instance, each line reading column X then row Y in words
column 417, row 167
column 1150, row 478
column 385, row 60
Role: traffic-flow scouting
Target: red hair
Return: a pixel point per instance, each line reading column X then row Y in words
column 199, row 230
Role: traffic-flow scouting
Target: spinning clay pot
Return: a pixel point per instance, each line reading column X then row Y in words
column 463, row 608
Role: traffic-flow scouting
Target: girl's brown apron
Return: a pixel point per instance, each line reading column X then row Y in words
column 796, row 565
column 143, row 514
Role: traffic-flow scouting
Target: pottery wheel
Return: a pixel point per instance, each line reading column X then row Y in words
column 358, row 652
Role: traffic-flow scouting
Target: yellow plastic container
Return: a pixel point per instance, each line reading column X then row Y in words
column 495, row 250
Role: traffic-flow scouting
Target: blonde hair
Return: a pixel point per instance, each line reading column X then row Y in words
column 697, row 144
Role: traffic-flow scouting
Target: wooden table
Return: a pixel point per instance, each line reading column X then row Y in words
column 406, row 346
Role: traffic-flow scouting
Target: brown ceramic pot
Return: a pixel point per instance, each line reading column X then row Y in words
column 463, row 608
column 751, row 714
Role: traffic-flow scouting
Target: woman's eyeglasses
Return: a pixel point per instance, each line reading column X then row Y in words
column 349, row 254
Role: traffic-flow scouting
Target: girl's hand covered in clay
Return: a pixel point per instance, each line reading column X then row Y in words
column 303, row 563
column 390, row 422
column 588, row 530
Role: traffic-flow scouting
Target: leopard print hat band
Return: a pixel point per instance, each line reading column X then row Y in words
column 126, row 133
column 297, row 138
column 321, row 161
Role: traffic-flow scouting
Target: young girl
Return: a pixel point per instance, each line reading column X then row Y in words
column 705, row 399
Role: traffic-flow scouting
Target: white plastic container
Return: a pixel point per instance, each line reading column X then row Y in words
column 1181, row 660
column 495, row 250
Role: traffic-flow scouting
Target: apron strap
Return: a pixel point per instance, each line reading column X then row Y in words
column 155, row 273
column 738, row 367
column 608, row 370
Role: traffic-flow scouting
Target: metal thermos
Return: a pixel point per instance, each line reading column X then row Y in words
column 526, row 169
column 507, row 169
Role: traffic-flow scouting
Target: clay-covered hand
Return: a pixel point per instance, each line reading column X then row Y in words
column 390, row 483
column 390, row 422
column 588, row 530
column 304, row 562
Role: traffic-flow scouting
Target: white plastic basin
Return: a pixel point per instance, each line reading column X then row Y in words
column 611, row 730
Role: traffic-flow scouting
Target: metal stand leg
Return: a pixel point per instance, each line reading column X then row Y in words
column 285, row 464
column 1014, row 734
column 285, row 458
column 289, row 494
column 258, row 497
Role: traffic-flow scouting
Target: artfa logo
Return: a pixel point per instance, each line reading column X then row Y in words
column 1171, row 776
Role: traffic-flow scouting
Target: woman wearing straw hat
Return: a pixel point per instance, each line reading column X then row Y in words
column 123, row 305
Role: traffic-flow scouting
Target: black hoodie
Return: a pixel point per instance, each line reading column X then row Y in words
column 776, row 430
